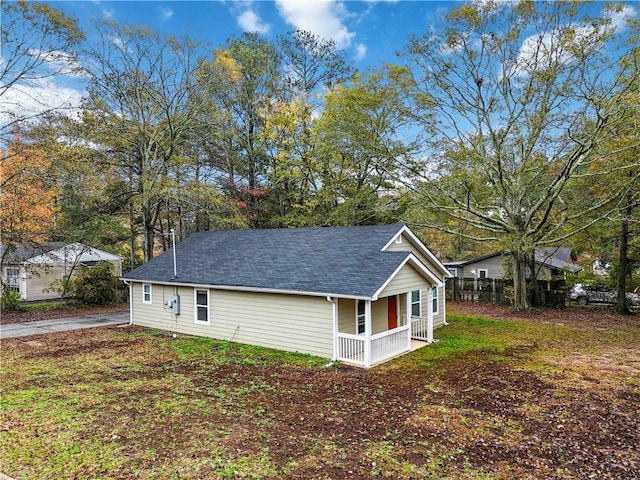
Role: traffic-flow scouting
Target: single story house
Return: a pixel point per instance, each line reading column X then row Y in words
column 550, row 262
column 33, row 269
column 354, row 294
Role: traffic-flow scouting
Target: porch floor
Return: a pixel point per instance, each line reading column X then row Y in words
column 417, row 344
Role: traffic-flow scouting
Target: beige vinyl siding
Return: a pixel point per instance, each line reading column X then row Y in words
column 425, row 293
column 407, row 246
column 285, row 322
column 41, row 279
column 406, row 280
column 438, row 318
column 379, row 316
column 347, row 315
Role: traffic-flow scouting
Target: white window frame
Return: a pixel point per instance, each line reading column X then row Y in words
column 144, row 294
column 417, row 302
column 453, row 271
column 13, row 278
column 486, row 273
column 435, row 297
column 361, row 318
column 196, row 306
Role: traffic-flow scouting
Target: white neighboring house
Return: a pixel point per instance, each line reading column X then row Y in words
column 33, row 269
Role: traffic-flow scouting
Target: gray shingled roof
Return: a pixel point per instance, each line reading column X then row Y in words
column 343, row 261
column 22, row 252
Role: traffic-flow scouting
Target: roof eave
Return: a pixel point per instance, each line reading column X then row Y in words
column 250, row 289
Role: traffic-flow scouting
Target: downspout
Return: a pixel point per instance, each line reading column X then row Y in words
column 334, row 311
column 127, row 283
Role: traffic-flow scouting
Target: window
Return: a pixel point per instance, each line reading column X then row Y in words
column 13, row 278
column 202, row 306
column 416, row 307
column 454, row 271
column 434, row 300
column 146, row 293
column 482, row 273
column 360, row 317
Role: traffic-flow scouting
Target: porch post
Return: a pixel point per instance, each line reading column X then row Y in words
column 336, row 340
column 367, row 333
column 430, row 316
column 409, row 322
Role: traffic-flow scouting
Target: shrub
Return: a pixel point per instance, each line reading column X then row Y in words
column 10, row 301
column 96, row 286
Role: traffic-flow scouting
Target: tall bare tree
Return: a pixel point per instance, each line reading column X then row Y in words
column 139, row 112
column 514, row 97
column 38, row 43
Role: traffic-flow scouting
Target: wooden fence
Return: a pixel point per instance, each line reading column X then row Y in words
column 497, row 290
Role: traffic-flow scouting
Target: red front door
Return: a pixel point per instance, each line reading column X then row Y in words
column 392, row 312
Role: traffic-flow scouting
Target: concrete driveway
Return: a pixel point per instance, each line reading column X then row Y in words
column 62, row 324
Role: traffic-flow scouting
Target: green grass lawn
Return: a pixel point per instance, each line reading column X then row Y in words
column 493, row 398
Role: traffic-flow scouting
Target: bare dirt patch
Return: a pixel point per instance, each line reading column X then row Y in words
column 128, row 404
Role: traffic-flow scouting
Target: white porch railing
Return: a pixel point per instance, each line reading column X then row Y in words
column 390, row 343
column 384, row 345
column 351, row 348
column 422, row 328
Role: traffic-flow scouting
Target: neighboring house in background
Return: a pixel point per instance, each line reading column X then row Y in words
column 550, row 262
column 33, row 269
column 354, row 294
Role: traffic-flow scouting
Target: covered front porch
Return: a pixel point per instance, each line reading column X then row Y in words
column 368, row 332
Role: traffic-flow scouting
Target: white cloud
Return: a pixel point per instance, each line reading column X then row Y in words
column 361, row 51
column 166, row 13
column 619, row 15
column 108, row 13
column 22, row 102
column 324, row 18
column 60, row 62
column 249, row 21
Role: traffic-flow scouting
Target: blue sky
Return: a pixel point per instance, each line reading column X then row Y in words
column 368, row 31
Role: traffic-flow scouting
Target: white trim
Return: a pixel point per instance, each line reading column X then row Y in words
column 420, row 246
column 358, row 317
column 150, row 301
column 367, row 333
column 235, row 288
column 334, row 312
column 486, row 273
column 437, row 299
column 418, row 266
column 419, row 302
column 195, row 306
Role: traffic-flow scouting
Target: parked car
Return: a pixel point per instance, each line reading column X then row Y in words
column 598, row 293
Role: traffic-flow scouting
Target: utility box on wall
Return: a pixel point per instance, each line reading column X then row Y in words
column 175, row 305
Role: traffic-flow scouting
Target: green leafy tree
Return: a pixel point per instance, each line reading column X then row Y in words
column 514, row 98
column 364, row 138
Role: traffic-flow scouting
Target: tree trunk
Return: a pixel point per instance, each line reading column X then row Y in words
column 623, row 265
column 520, row 301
